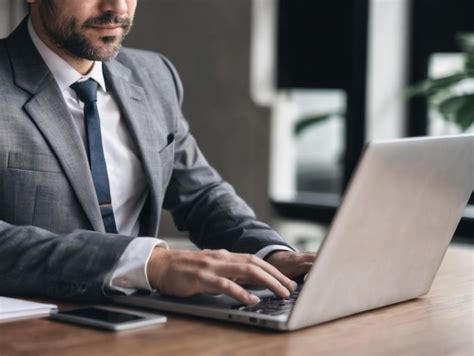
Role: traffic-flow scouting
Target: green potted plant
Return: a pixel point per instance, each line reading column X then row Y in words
column 453, row 96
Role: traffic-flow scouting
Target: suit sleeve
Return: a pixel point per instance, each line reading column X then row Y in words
column 206, row 206
column 74, row 266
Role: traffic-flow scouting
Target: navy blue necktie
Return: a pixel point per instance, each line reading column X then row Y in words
column 87, row 93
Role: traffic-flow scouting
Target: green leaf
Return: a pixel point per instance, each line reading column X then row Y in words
column 308, row 121
column 451, row 105
column 459, row 109
column 465, row 115
column 433, row 86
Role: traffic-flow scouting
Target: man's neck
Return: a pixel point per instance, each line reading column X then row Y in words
column 82, row 65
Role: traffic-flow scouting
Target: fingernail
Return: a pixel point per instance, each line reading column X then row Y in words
column 294, row 284
column 254, row 299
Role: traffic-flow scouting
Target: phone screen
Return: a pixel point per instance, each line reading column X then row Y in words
column 103, row 315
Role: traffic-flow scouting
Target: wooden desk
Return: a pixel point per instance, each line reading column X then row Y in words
column 440, row 323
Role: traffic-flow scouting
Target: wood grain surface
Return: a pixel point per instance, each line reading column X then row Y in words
column 440, row 323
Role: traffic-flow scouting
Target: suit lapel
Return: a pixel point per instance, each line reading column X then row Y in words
column 48, row 110
column 132, row 101
column 57, row 126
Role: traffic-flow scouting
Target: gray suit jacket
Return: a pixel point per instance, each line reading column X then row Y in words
column 52, row 239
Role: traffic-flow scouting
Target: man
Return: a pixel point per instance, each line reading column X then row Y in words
column 93, row 145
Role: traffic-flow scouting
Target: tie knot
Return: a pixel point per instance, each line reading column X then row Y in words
column 86, row 90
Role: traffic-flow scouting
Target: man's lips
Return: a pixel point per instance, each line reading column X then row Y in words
column 109, row 29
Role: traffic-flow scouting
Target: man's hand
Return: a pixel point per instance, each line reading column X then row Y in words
column 185, row 273
column 292, row 264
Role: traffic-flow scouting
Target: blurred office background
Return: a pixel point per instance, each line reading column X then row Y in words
column 283, row 95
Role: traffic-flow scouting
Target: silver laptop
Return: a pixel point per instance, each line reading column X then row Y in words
column 384, row 246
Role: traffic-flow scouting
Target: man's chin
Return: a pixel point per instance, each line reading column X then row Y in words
column 96, row 54
column 106, row 56
column 105, row 49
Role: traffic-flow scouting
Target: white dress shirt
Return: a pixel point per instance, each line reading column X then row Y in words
column 128, row 183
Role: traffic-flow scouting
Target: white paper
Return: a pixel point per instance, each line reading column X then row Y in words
column 11, row 308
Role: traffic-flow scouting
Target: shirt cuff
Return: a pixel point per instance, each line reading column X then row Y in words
column 264, row 252
column 129, row 275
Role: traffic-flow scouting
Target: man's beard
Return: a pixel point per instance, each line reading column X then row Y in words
column 66, row 34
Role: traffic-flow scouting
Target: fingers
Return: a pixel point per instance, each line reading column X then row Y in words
column 307, row 260
column 292, row 264
column 273, row 271
column 304, row 268
column 225, row 256
column 308, row 257
column 185, row 273
column 248, row 273
column 216, row 284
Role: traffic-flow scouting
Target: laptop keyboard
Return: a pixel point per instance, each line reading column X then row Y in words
column 271, row 305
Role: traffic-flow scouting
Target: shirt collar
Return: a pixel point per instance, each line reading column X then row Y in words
column 62, row 71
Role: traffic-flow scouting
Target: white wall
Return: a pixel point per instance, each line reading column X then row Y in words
column 387, row 68
column 11, row 13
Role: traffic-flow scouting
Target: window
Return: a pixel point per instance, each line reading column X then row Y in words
column 340, row 72
column 434, row 53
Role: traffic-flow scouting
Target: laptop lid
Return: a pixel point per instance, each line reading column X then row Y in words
column 392, row 230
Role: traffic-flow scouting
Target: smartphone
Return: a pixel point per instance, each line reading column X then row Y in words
column 109, row 318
